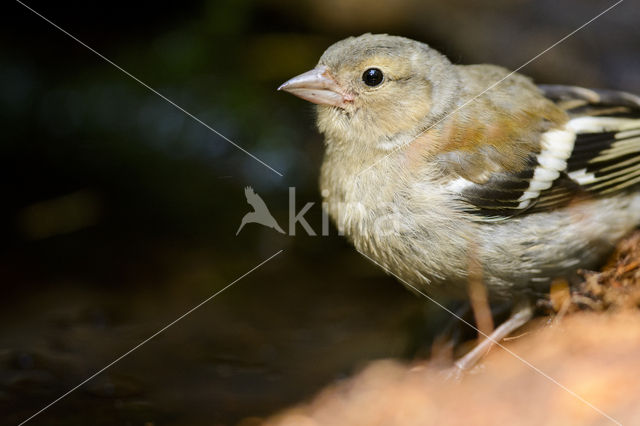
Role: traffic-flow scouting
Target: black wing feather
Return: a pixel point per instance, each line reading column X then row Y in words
column 605, row 158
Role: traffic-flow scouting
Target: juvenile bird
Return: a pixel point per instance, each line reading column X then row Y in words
column 430, row 166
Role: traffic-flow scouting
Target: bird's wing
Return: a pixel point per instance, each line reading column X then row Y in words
column 580, row 102
column 596, row 154
column 254, row 200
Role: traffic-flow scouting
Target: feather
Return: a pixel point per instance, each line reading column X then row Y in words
column 596, row 153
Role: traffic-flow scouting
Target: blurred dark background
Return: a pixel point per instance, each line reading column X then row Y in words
column 119, row 212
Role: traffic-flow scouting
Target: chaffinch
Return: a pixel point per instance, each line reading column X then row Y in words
column 426, row 170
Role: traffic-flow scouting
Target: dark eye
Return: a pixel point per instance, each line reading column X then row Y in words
column 372, row 77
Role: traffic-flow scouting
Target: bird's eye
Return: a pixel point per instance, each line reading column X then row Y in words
column 372, row 77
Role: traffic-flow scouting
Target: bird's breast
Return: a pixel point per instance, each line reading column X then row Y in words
column 403, row 223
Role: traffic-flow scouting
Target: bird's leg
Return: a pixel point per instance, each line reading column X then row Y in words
column 460, row 321
column 520, row 315
column 443, row 343
column 452, row 327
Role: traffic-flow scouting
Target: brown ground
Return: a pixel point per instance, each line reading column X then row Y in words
column 580, row 365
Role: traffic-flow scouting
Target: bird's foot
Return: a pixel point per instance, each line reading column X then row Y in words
column 521, row 315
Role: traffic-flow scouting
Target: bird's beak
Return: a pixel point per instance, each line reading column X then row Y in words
column 319, row 87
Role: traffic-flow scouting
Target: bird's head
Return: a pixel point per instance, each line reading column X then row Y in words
column 377, row 90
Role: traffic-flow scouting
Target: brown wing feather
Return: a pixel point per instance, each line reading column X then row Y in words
column 604, row 158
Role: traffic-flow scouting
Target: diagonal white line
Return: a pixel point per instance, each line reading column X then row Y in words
column 533, row 367
column 152, row 89
column 148, row 338
column 494, row 85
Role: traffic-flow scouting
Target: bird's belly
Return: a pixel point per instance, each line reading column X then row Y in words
column 427, row 252
column 523, row 255
column 413, row 232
